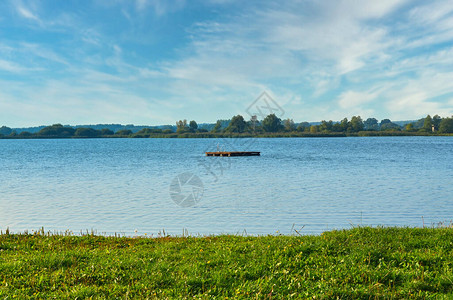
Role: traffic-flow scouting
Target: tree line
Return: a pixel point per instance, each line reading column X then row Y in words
column 271, row 125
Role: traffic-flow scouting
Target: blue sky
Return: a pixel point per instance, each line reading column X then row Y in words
column 150, row 62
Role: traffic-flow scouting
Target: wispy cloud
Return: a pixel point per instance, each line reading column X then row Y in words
column 353, row 99
column 160, row 7
column 210, row 59
column 322, row 44
column 26, row 13
column 10, row 66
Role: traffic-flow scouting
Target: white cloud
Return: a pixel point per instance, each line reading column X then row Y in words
column 43, row 52
column 419, row 96
column 11, row 66
column 26, row 13
column 321, row 59
column 434, row 13
column 160, row 7
column 351, row 98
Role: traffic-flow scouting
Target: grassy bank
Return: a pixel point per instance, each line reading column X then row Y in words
column 357, row 263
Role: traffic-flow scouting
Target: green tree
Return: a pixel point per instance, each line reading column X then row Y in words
column 106, row 131
column 56, row 130
column 272, row 123
column 303, row 126
column 181, row 126
column 86, row 132
column 427, row 124
column 446, row 125
column 25, row 134
column 356, row 124
column 217, row 126
column 385, row 121
column 124, row 132
column 326, row 126
column 237, row 124
column 389, row 125
column 436, row 122
column 344, row 124
column 193, row 126
column 409, row 127
column 371, row 124
column 5, row 130
column 313, row 129
column 289, row 125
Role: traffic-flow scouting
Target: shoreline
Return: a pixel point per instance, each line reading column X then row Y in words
column 240, row 135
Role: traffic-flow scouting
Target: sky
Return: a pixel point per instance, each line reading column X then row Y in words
column 153, row 62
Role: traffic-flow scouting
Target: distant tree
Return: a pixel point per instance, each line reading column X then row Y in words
column 356, row 124
column 167, row 131
column 313, row 129
column 371, row 124
column 337, row 127
column 303, row 126
column 124, row 132
column 428, row 123
column 237, row 124
column 385, row 121
column 144, row 131
column 217, row 126
column 107, row 131
column 436, row 122
column 344, row 125
column 203, row 130
column 5, row 130
column 289, row 125
column 181, row 126
column 326, row 126
column 150, row 130
column 419, row 123
column 390, row 126
column 56, row 130
column 409, row 127
column 87, row 132
column 193, row 126
column 272, row 123
column 25, row 134
column 446, row 125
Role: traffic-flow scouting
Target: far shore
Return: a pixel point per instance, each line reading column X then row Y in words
column 205, row 135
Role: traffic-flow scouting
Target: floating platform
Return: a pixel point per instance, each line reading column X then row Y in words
column 233, row 153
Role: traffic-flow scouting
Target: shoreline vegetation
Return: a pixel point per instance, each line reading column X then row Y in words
column 357, row 263
column 238, row 127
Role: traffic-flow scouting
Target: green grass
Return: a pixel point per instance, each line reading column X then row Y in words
column 364, row 263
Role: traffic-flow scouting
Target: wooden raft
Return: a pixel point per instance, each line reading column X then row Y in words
column 233, row 153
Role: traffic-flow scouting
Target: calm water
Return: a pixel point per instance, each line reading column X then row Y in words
column 123, row 185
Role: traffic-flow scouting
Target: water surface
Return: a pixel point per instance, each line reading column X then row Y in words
column 123, row 185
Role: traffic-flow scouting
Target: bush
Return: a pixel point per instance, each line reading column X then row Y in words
column 87, row 132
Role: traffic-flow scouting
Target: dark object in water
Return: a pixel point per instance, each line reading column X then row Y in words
column 233, row 153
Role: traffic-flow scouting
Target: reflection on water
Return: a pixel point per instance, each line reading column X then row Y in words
column 122, row 185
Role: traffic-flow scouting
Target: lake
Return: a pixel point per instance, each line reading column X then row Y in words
column 144, row 186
